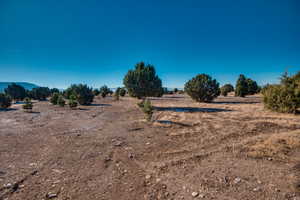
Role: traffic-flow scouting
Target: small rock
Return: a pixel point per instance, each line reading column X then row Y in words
column 130, row 155
column 51, row 195
column 158, row 180
column 148, row 176
column 270, row 159
column 8, row 185
column 202, row 196
column 256, row 189
column 195, row 194
column 148, row 143
column 237, row 180
column 118, row 143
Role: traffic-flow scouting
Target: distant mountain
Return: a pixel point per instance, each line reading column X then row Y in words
column 27, row 86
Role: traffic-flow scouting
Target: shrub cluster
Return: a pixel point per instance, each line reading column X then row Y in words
column 72, row 102
column 84, row 95
column 16, row 92
column 202, row 88
column 5, row 101
column 104, row 91
column 283, row 97
column 143, row 81
column 225, row 89
column 61, row 101
column 28, row 105
column 147, row 108
column 245, row 86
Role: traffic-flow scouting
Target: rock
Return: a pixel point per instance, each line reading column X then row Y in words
column 118, row 143
column 130, row 155
column 237, row 180
column 195, row 194
column 148, row 143
column 202, row 196
column 270, row 159
column 8, row 185
column 148, row 176
column 256, row 189
column 51, row 195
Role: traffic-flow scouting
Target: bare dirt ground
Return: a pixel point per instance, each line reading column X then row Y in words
column 229, row 149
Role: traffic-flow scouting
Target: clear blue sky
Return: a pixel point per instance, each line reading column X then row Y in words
column 59, row 42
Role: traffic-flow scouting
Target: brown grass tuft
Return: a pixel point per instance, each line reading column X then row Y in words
column 277, row 146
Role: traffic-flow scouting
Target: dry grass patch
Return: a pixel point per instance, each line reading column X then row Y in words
column 277, row 146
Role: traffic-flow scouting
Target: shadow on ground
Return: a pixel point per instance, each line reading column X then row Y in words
column 190, row 109
column 7, row 109
column 172, row 123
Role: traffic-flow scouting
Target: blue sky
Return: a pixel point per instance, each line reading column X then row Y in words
column 58, row 42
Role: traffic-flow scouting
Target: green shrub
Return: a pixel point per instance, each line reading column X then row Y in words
column 202, row 88
column 54, row 98
column 40, row 93
column 117, row 94
column 225, row 89
column 96, row 92
column 61, row 101
column 175, row 90
column 241, row 88
column 147, row 108
column 122, row 92
column 252, row 87
column 84, row 95
column 284, row 97
column 54, row 90
column 16, row 92
column 143, row 81
column 28, row 105
column 104, row 91
column 5, row 101
column 72, row 102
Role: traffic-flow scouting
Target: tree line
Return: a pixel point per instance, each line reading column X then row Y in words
column 142, row 82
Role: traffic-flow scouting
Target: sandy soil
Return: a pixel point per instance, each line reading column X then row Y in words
column 229, row 149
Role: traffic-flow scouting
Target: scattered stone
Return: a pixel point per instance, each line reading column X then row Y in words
column 118, row 143
column 8, row 185
column 51, row 195
column 202, row 196
column 158, row 180
column 130, row 155
column 148, row 176
column 270, row 159
column 195, row 194
column 256, row 189
column 237, row 180
column 148, row 143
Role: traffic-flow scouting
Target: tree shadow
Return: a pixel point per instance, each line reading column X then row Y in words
column 7, row 109
column 173, row 123
column 99, row 104
column 235, row 102
column 190, row 109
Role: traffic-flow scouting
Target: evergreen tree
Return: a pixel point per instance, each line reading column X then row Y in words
column 241, row 88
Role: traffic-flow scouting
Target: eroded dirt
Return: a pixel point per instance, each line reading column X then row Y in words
column 108, row 151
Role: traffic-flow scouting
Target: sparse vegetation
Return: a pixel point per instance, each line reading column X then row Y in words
column 202, row 88
column 28, row 105
column 40, row 93
column 16, row 92
column 104, row 91
column 122, row 92
column 284, row 97
column 147, row 108
column 96, row 92
column 61, row 101
column 143, row 81
column 225, row 89
column 5, row 101
column 54, row 90
column 84, row 94
column 72, row 102
column 246, row 86
column 54, row 98
column 117, row 94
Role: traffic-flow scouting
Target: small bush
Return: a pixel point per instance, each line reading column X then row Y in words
column 28, row 105
column 96, row 92
column 61, row 101
column 122, row 92
column 202, row 88
column 117, row 94
column 147, row 108
column 225, row 89
column 5, row 101
column 284, row 97
column 54, row 98
column 72, row 102
column 40, row 93
column 16, row 92
column 104, row 91
column 84, row 95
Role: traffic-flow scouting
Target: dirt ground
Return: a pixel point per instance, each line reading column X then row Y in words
column 229, row 149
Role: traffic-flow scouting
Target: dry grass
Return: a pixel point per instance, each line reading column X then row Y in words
column 276, row 146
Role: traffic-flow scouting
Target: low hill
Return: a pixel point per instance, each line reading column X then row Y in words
column 27, row 86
